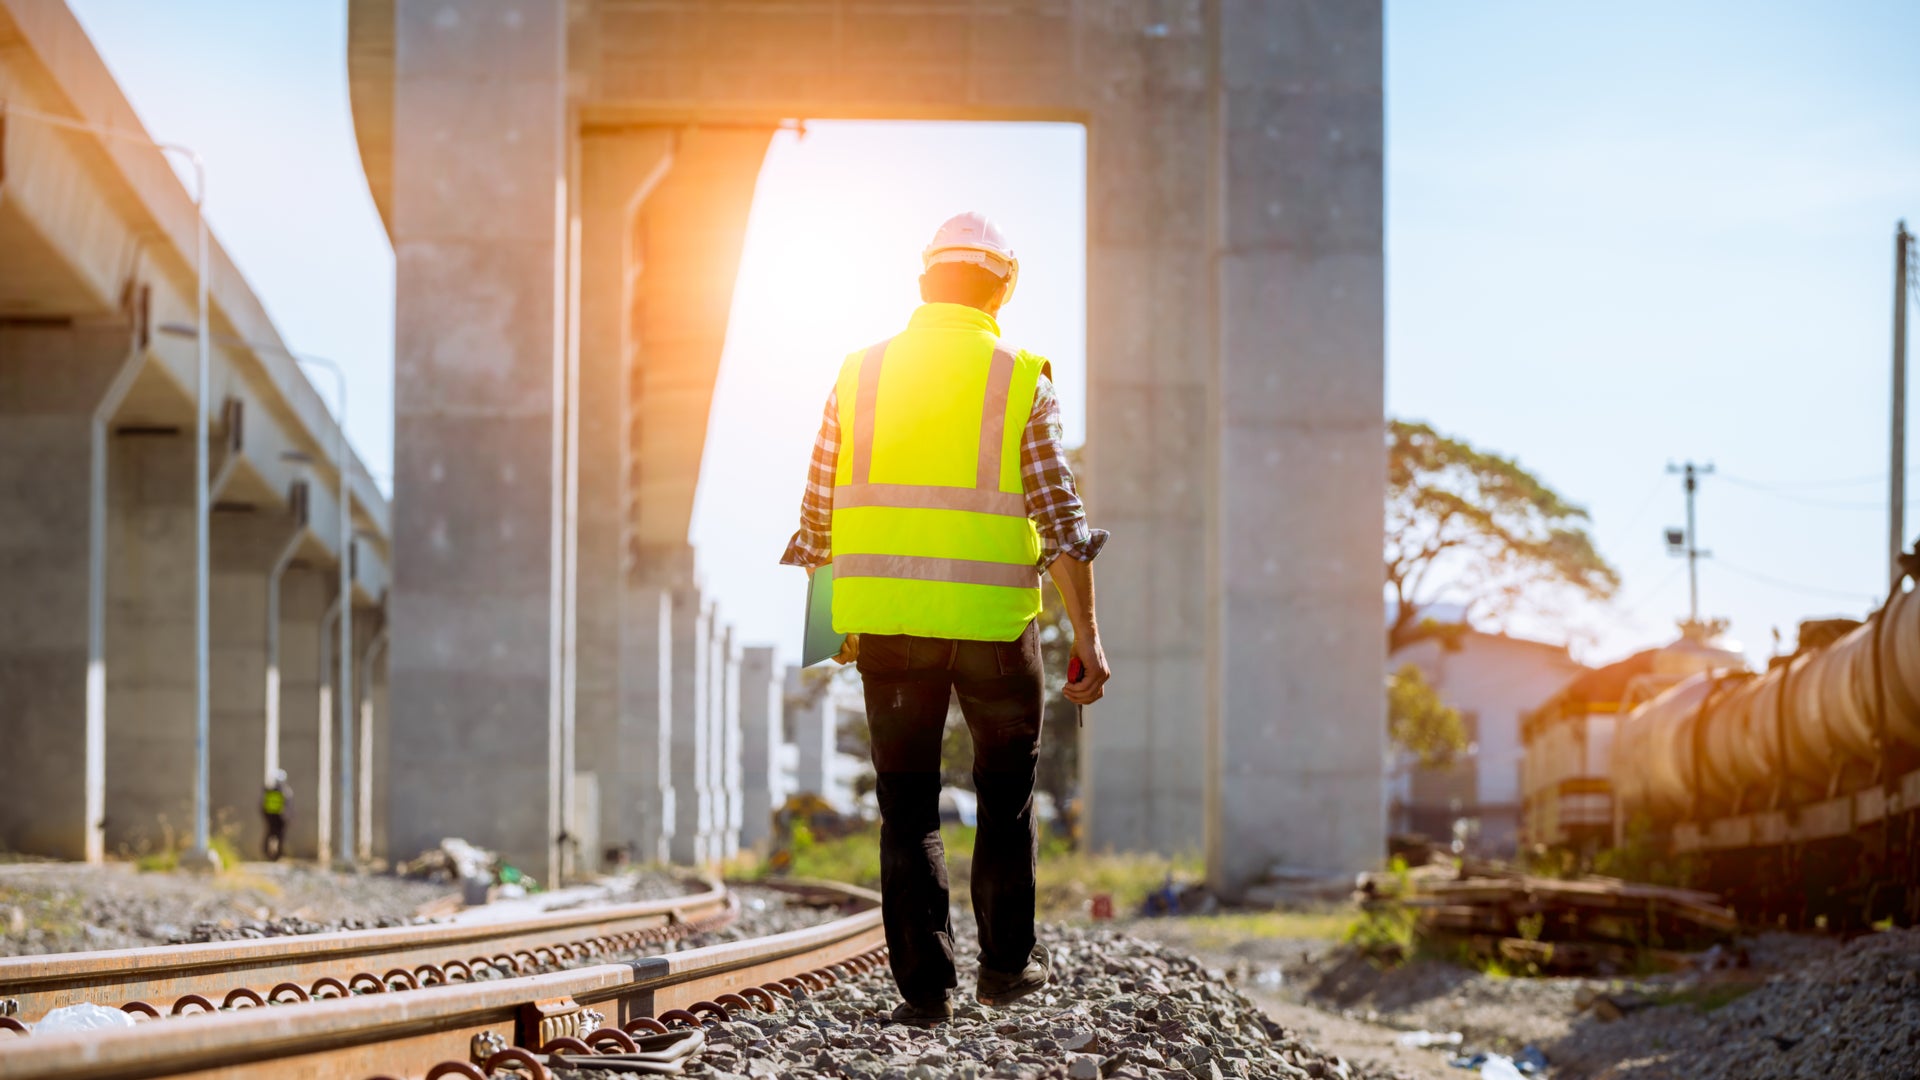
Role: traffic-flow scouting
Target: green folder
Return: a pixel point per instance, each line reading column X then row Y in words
column 820, row 642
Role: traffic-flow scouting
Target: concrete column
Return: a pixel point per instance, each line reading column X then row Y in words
column 1295, row 763
column 376, row 715
column 1149, row 449
column 150, row 658
column 58, row 389
column 245, row 547
column 726, row 740
column 616, row 173
column 813, row 721
column 368, row 731
column 762, row 723
column 646, row 819
column 692, row 839
column 305, row 722
column 480, row 156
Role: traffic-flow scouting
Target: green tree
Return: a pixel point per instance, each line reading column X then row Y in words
column 1468, row 524
column 1419, row 721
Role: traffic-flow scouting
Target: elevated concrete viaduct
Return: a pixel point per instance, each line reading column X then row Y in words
column 566, row 185
column 97, row 567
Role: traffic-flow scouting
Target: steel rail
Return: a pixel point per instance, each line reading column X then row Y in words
column 471, row 1029
column 171, row 979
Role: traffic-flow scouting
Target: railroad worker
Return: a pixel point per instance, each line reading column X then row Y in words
column 276, row 801
column 939, row 490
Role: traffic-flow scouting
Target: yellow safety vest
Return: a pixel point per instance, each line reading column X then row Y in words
column 274, row 801
column 930, row 528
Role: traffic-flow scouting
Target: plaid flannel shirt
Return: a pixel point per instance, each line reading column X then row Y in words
column 1045, row 477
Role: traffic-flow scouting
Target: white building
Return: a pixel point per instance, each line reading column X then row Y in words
column 1493, row 680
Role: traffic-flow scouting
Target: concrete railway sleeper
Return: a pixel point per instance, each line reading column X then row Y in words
column 178, row 980
column 643, row 1016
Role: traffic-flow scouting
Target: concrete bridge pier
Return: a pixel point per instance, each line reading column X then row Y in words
column 814, row 719
column 727, row 734
column 306, row 751
column 150, row 638
column 762, row 723
column 244, row 549
column 370, row 640
column 692, row 659
column 645, row 753
column 59, row 388
column 480, row 150
column 616, row 171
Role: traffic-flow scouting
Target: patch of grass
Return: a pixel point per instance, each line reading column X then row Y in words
column 1068, row 879
column 1707, row 997
column 854, row 859
column 1223, row 931
column 1065, row 881
column 1384, row 931
column 166, row 857
column 224, row 846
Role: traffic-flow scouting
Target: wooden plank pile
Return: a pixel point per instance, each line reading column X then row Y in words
column 1589, row 924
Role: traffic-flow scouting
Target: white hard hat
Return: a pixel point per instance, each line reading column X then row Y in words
column 973, row 238
column 279, row 776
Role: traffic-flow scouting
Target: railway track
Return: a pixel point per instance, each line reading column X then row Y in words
column 434, row 1019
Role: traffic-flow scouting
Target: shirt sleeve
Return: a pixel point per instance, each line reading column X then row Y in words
column 1046, row 476
column 812, row 545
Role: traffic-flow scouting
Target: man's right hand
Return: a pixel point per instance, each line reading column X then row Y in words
column 1095, row 673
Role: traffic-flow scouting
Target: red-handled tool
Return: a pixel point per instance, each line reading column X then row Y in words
column 1075, row 669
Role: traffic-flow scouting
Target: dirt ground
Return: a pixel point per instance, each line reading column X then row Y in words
column 65, row 907
column 1775, row 1005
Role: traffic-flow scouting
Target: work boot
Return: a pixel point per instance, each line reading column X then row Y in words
column 998, row 988
column 923, row 1015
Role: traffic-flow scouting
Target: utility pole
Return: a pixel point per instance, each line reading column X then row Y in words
column 1897, row 474
column 1687, row 543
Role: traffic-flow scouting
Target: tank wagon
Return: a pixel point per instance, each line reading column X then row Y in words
column 1566, row 783
column 1793, row 792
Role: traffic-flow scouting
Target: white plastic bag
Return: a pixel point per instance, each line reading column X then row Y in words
column 85, row 1016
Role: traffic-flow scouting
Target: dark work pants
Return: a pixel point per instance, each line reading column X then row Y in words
column 908, row 681
column 276, row 839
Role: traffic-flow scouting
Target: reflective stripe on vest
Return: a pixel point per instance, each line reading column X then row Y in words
column 957, row 558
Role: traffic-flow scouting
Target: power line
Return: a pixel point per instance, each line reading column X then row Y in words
column 1653, row 593
column 1807, row 485
column 1794, row 586
column 1831, row 504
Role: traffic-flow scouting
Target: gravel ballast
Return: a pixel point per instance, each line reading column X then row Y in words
column 68, row 907
column 1118, row 1007
column 1853, row 1012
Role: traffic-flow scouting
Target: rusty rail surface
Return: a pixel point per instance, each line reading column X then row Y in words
column 477, row 1029
column 178, row 979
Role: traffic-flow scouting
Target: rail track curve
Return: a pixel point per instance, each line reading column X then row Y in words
column 642, row 1015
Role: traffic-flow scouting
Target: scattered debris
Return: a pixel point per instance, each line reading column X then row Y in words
column 1421, row 1040
column 1528, row 1062
column 454, row 860
column 1176, row 899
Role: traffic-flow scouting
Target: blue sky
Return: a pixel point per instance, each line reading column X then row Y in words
column 1617, row 236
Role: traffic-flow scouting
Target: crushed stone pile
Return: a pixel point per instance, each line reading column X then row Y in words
column 1118, row 1007
column 1854, row 1012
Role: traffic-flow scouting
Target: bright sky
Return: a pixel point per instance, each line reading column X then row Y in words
column 1616, row 237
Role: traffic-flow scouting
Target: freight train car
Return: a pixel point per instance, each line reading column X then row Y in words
column 1566, row 785
column 1795, row 792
